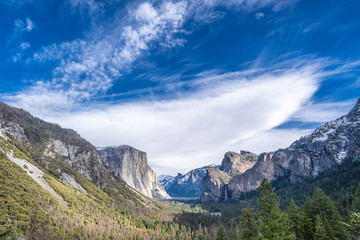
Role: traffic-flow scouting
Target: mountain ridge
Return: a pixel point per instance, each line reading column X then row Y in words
column 306, row 157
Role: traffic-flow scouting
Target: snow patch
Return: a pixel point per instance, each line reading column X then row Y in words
column 341, row 156
column 36, row 174
column 324, row 136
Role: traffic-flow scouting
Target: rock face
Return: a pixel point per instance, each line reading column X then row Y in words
column 234, row 163
column 189, row 184
column 215, row 184
column 325, row 148
column 131, row 165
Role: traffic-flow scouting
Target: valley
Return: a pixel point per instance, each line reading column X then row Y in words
column 74, row 190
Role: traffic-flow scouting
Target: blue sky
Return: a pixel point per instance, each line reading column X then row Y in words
column 183, row 80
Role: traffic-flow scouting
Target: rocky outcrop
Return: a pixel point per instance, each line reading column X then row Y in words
column 328, row 146
column 189, row 184
column 131, row 165
column 215, row 183
column 234, row 163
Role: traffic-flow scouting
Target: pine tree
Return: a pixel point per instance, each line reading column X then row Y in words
column 248, row 224
column 355, row 206
column 221, row 234
column 300, row 224
column 321, row 229
column 295, row 217
column 321, row 206
column 274, row 224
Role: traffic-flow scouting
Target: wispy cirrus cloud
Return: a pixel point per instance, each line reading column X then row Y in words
column 15, row 43
column 323, row 111
column 19, row 28
column 86, row 67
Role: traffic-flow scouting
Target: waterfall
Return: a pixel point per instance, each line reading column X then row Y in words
column 225, row 192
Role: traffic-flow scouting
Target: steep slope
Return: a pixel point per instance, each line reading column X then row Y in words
column 214, row 186
column 63, row 153
column 328, row 146
column 189, row 184
column 131, row 165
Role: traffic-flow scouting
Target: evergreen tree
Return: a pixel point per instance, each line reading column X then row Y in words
column 321, row 229
column 248, row 224
column 355, row 206
column 296, row 219
column 274, row 224
column 325, row 216
column 300, row 224
column 221, row 234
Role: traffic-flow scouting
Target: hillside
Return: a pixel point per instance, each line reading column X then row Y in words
column 38, row 204
column 62, row 152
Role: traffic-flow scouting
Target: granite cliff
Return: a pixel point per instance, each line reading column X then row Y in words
column 131, row 165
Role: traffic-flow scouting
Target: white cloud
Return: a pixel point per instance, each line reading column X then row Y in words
column 19, row 28
column 196, row 130
column 29, row 25
column 24, row 45
column 323, row 111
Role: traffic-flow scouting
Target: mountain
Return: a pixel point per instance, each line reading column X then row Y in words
column 62, row 153
column 214, row 186
column 327, row 147
column 131, row 165
column 187, row 185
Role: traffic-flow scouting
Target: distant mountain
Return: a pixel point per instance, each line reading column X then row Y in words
column 131, row 165
column 187, row 185
column 167, row 180
column 327, row 147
